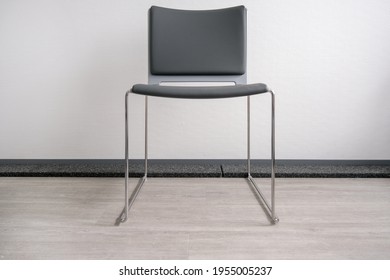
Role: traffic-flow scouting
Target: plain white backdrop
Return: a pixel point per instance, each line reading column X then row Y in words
column 66, row 65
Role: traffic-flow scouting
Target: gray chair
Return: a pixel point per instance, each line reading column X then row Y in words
column 198, row 46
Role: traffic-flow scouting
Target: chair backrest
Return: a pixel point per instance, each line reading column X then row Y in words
column 200, row 45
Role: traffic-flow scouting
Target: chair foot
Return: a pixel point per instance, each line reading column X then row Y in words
column 269, row 208
column 123, row 217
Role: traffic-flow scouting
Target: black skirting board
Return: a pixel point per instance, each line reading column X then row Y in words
column 195, row 168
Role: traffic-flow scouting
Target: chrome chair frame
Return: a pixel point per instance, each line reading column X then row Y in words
column 269, row 207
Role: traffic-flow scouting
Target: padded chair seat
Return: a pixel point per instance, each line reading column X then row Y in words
column 200, row 92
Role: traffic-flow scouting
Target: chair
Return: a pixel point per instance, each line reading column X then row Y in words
column 198, row 46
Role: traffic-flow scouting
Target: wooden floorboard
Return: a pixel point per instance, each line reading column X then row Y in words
column 194, row 218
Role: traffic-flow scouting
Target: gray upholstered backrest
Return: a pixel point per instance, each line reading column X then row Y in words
column 197, row 43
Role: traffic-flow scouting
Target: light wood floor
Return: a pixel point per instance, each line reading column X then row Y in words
column 176, row 218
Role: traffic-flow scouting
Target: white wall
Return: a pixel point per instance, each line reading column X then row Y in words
column 65, row 66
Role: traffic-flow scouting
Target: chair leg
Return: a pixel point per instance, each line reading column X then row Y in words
column 270, row 208
column 274, row 217
column 248, row 108
column 129, row 201
column 146, row 137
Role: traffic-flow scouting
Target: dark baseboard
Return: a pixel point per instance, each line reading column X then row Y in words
column 195, row 168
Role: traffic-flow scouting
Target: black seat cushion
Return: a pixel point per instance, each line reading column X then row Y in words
column 200, row 92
